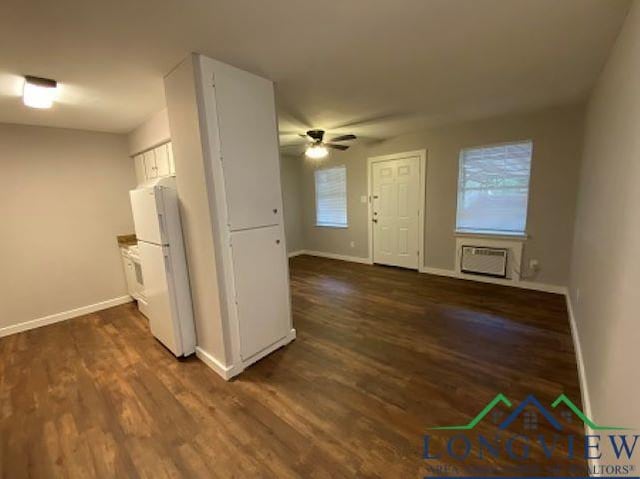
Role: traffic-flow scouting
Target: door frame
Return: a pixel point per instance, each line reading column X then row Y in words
column 422, row 155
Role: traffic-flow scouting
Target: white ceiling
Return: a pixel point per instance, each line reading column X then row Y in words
column 371, row 67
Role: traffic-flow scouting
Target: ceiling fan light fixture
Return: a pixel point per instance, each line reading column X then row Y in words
column 317, row 151
column 39, row 92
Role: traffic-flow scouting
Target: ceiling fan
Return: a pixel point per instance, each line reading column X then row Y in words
column 318, row 148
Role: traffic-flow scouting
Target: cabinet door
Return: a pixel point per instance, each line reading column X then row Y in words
column 129, row 273
column 162, row 161
column 260, row 273
column 249, row 146
column 172, row 163
column 138, row 278
column 150, row 168
column 141, row 175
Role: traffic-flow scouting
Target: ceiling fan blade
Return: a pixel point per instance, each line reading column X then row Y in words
column 316, row 135
column 336, row 147
column 344, row 138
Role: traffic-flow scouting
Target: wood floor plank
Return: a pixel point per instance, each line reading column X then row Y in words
column 381, row 355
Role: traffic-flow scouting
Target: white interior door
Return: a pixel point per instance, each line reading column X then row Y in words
column 396, row 187
column 260, row 270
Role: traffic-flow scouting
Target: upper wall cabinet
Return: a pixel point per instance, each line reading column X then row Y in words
column 141, row 174
column 162, row 161
column 155, row 163
column 150, row 168
column 172, row 163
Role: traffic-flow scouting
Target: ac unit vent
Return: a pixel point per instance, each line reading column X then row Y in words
column 484, row 261
column 489, row 252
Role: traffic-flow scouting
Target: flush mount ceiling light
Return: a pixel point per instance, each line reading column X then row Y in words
column 317, row 151
column 39, row 92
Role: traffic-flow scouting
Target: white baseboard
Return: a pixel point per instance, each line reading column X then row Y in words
column 55, row 318
column 265, row 352
column 293, row 254
column 225, row 372
column 547, row 288
column 342, row 257
column 228, row 372
column 439, row 272
column 582, row 377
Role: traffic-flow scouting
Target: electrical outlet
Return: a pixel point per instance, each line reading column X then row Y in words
column 534, row 265
column 353, row 244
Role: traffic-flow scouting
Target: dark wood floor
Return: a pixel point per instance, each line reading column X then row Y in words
column 382, row 354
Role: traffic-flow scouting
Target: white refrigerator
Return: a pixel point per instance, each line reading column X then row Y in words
column 164, row 268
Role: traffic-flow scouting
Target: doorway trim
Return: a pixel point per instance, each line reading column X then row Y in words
column 422, row 155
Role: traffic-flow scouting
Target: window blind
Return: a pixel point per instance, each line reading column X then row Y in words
column 493, row 188
column 331, row 197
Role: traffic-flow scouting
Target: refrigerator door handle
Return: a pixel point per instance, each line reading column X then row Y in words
column 162, row 228
column 167, row 261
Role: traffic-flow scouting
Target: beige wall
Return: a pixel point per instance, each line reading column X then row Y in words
column 152, row 132
column 606, row 254
column 291, row 175
column 557, row 137
column 196, row 215
column 63, row 200
column 337, row 240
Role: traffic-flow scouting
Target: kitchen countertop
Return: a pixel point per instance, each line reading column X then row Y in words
column 124, row 241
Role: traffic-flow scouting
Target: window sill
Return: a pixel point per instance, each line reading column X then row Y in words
column 326, row 225
column 492, row 235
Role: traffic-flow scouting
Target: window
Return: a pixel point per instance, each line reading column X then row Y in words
column 493, row 189
column 331, row 197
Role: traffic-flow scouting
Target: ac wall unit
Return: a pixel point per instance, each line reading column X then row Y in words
column 484, row 261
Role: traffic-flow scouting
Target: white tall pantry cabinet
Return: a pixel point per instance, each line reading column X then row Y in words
column 225, row 145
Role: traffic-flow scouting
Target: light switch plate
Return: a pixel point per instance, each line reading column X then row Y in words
column 363, row 199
